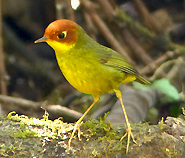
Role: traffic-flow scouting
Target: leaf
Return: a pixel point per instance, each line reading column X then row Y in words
column 162, row 85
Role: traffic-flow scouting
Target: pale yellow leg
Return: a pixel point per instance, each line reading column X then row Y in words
column 78, row 123
column 128, row 131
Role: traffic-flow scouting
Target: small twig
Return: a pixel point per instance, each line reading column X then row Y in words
column 134, row 26
column 107, row 8
column 70, row 11
column 152, row 66
column 91, row 29
column 128, row 38
column 148, row 19
column 173, row 72
column 56, row 111
column 3, row 89
column 20, row 105
column 144, row 31
column 34, row 109
column 59, row 7
column 161, row 69
column 136, row 47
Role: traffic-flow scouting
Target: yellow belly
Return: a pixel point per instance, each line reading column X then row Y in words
column 92, row 78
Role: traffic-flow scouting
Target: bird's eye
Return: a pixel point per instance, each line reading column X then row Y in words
column 62, row 35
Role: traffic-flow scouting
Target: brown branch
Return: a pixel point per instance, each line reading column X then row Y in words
column 148, row 19
column 155, row 64
column 134, row 26
column 144, row 31
column 160, row 71
column 136, row 48
column 59, row 7
column 3, row 75
column 70, row 11
column 107, row 8
column 56, row 111
column 177, row 65
column 20, row 105
column 91, row 29
column 128, row 37
column 34, row 109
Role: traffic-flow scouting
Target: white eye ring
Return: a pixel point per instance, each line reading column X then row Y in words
column 62, row 35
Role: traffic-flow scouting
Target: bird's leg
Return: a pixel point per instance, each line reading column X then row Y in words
column 128, row 130
column 78, row 123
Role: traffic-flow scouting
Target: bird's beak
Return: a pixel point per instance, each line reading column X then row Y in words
column 42, row 39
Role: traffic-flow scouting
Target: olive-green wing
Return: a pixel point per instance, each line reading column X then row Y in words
column 113, row 59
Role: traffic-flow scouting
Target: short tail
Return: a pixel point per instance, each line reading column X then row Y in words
column 141, row 80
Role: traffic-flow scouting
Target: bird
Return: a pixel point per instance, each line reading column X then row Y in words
column 89, row 66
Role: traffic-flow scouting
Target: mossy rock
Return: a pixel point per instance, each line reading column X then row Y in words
column 29, row 137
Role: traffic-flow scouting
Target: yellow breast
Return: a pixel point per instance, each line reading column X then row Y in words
column 89, row 77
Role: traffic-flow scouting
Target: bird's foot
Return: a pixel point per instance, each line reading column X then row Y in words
column 129, row 133
column 77, row 126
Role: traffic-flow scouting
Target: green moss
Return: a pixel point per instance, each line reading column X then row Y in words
column 170, row 153
column 162, row 125
column 108, row 139
column 183, row 111
column 11, row 149
column 98, row 138
column 99, row 128
column 96, row 153
column 13, row 116
column 34, row 127
column 45, row 116
column 25, row 133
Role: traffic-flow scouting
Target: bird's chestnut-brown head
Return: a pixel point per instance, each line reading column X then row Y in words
column 60, row 34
